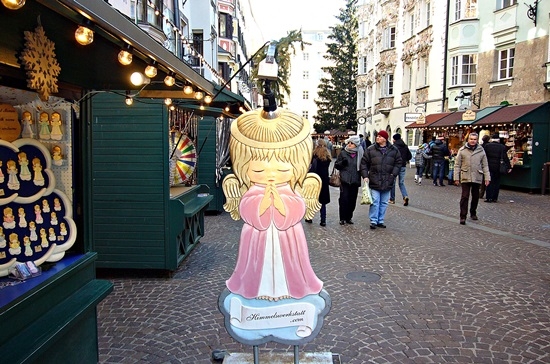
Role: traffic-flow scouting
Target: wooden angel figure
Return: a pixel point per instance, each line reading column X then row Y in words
column 13, row 181
column 62, row 229
column 1, row 173
column 43, row 238
column 37, row 168
column 57, row 155
column 2, row 238
column 32, row 230
column 22, row 219
column 56, row 133
column 44, row 126
column 15, row 244
column 26, row 124
column 9, row 219
column 27, row 245
column 272, row 190
column 38, row 214
column 45, row 206
column 25, row 173
column 51, row 234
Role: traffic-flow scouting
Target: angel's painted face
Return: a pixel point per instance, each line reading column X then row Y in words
column 270, row 172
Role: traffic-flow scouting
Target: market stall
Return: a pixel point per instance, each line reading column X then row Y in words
column 525, row 129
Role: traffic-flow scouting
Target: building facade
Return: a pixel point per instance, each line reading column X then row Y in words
column 421, row 57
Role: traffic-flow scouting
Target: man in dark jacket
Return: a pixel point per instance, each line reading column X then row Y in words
column 496, row 154
column 379, row 166
column 439, row 151
column 406, row 156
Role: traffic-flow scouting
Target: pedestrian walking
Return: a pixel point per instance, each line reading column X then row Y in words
column 320, row 165
column 348, row 163
column 379, row 166
column 484, row 140
column 406, row 156
column 470, row 167
column 439, row 151
column 496, row 154
column 451, row 174
column 420, row 159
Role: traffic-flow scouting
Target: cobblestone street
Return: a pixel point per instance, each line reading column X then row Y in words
column 447, row 293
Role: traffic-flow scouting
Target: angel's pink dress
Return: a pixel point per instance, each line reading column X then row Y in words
column 273, row 256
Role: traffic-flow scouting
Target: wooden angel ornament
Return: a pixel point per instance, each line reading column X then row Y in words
column 272, row 191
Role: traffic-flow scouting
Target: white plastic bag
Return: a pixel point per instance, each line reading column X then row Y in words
column 366, row 198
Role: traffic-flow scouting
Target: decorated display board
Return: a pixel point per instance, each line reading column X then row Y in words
column 273, row 293
column 37, row 218
column 184, row 159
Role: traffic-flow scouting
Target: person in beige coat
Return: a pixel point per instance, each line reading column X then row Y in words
column 470, row 168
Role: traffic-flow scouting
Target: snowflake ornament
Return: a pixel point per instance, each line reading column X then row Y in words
column 40, row 63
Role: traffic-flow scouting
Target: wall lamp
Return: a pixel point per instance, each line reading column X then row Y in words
column 168, row 101
column 207, row 99
column 84, row 34
column 125, row 55
column 151, row 70
column 138, row 79
column 13, row 4
column 199, row 95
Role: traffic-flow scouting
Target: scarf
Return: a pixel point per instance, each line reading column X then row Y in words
column 359, row 151
column 471, row 147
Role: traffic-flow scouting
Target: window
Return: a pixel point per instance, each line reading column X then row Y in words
column 422, row 72
column 388, row 40
column 305, row 75
column 464, row 69
column 305, row 114
column 305, row 95
column 306, row 56
column 426, row 13
column 407, row 78
column 361, row 99
column 225, row 25
column 362, row 65
column 465, row 9
column 411, row 24
column 386, row 86
column 506, row 63
column 501, row 4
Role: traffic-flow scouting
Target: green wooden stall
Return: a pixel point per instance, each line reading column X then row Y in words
column 137, row 220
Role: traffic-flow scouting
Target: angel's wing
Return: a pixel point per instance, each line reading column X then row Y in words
column 310, row 192
column 233, row 194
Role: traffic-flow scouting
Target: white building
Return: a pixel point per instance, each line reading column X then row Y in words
column 401, row 64
column 306, row 73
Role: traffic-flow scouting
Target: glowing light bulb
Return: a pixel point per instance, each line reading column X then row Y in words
column 13, row 4
column 84, row 35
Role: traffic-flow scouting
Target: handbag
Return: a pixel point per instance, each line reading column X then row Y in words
column 334, row 179
column 366, row 198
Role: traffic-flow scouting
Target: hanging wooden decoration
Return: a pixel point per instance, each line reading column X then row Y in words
column 39, row 61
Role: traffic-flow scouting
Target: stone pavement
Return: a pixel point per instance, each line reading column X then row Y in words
column 447, row 293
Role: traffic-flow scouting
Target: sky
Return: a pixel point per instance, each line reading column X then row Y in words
column 276, row 17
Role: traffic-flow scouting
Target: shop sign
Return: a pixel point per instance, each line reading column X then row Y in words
column 10, row 129
column 469, row 115
column 421, row 119
column 411, row 117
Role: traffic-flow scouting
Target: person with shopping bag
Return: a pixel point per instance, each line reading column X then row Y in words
column 379, row 167
column 348, row 163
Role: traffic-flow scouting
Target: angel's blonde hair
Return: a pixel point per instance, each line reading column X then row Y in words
column 283, row 138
